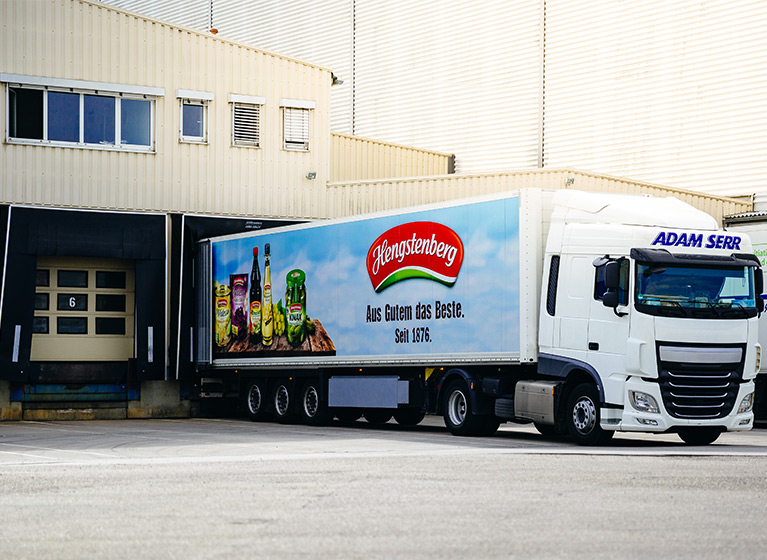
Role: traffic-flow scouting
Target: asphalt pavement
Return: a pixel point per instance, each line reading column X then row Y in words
column 206, row 488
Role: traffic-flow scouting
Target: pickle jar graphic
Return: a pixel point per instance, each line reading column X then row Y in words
column 295, row 306
column 222, row 301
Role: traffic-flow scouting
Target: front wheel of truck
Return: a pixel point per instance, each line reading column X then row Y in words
column 582, row 416
column 699, row 436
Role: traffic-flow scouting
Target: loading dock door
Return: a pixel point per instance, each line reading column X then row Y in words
column 84, row 310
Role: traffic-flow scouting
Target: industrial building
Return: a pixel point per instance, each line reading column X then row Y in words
column 127, row 139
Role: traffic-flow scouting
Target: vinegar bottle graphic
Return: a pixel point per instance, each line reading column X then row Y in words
column 255, row 300
column 267, row 314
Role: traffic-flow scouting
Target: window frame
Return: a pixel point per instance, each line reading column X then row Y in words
column 82, row 89
column 237, row 100
column 289, row 106
column 625, row 280
column 193, row 98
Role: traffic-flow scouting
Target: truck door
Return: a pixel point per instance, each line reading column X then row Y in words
column 607, row 331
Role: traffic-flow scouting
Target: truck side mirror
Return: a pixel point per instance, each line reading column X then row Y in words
column 758, row 280
column 610, row 299
column 612, row 275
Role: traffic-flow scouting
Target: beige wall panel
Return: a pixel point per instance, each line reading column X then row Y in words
column 358, row 197
column 80, row 40
column 355, row 158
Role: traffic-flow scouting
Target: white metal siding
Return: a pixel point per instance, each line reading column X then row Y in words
column 669, row 92
column 455, row 76
column 187, row 13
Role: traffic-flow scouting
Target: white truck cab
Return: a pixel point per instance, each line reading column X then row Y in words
column 659, row 314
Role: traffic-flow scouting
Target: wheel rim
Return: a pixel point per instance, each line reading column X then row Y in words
column 281, row 400
column 584, row 415
column 456, row 408
column 311, row 401
column 254, row 399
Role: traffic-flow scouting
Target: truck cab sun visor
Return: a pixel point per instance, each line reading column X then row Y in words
column 663, row 256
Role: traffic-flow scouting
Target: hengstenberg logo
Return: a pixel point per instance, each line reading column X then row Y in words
column 415, row 250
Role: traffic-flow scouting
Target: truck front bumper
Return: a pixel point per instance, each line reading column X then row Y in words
column 628, row 419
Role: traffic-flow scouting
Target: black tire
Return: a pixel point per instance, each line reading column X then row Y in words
column 491, row 424
column 460, row 419
column 347, row 416
column 550, row 431
column 409, row 416
column 255, row 400
column 700, row 436
column 311, row 408
column 283, row 402
column 378, row 415
column 582, row 416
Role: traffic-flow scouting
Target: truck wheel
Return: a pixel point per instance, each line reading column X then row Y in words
column 459, row 417
column 491, row 425
column 409, row 416
column 282, row 401
column 255, row 400
column 549, row 430
column 699, row 436
column 313, row 411
column 582, row 416
column 378, row 415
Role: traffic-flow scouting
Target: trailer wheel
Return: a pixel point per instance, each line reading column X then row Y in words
column 313, row 411
column 582, row 416
column 409, row 416
column 699, row 436
column 378, row 415
column 460, row 420
column 255, row 401
column 282, row 401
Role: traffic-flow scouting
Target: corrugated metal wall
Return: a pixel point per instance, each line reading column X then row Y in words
column 76, row 39
column 356, row 158
column 320, row 32
column 356, row 197
column 669, row 92
column 455, row 76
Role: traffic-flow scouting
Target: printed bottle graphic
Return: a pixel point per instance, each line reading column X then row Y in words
column 267, row 314
column 255, row 300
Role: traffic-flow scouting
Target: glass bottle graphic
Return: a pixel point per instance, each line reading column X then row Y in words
column 255, row 300
column 267, row 314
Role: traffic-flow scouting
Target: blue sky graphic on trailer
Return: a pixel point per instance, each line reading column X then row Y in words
column 340, row 293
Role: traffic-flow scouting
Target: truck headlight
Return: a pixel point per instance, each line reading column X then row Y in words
column 643, row 402
column 746, row 404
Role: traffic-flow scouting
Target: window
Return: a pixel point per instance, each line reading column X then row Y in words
column 599, row 282
column 551, row 294
column 295, row 124
column 246, row 119
column 74, row 113
column 194, row 115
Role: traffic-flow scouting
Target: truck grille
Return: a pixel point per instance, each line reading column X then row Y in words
column 700, row 382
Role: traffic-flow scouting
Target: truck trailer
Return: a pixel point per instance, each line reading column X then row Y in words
column 583, row 313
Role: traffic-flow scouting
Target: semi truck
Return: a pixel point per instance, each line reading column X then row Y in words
column 582, row 313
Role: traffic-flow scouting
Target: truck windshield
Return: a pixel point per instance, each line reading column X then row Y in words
column 701, row 292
